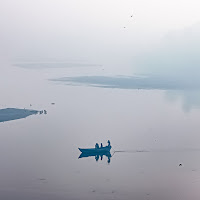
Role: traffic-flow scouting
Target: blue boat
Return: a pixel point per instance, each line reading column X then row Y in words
column 96, row 150
column 91, row 154
column 97, row 155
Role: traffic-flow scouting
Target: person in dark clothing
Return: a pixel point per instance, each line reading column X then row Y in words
column 108, row 143
column 96, row 146
column 101, row 145
column 97, row 158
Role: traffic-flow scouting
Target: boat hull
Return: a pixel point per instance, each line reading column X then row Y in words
column 91, row 154
column 95, row 150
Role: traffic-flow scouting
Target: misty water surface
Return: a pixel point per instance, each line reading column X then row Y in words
column 148, row 128
column 127, row 71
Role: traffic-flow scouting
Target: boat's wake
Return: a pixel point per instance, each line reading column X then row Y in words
column 131, row 151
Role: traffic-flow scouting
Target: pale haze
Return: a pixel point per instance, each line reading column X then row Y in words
column 100, row 99
column 89, row 30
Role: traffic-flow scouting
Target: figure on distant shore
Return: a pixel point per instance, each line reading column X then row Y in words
column 96, row 146
column 41, row 112
column 101, row 145
column 108, row 143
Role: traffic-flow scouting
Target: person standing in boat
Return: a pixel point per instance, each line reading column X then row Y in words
column 108, row 143
column 101, row 145
column 96, row 146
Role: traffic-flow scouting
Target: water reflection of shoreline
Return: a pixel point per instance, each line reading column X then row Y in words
column 190, row 99
column 97, row 156
column 175, row 87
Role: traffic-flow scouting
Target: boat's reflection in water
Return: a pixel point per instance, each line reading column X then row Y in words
column 97, row 155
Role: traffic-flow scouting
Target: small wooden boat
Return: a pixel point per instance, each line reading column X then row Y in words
column 96, row 150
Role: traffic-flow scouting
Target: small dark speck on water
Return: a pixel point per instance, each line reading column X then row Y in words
column 180, row 165
column 42, row 179
column 52, row 103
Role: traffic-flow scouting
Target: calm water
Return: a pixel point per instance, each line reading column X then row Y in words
column 157, row 130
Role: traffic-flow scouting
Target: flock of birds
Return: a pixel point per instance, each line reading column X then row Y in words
column 131, row 17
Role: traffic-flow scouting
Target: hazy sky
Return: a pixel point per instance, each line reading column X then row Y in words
column 176, row 55
column 91, row 30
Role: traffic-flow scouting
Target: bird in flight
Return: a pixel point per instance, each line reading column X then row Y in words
column 131, row 17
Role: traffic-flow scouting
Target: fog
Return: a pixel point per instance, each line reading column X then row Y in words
column 74, row 73
column 101, row 32
column 177, row 56
column 125, row 38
